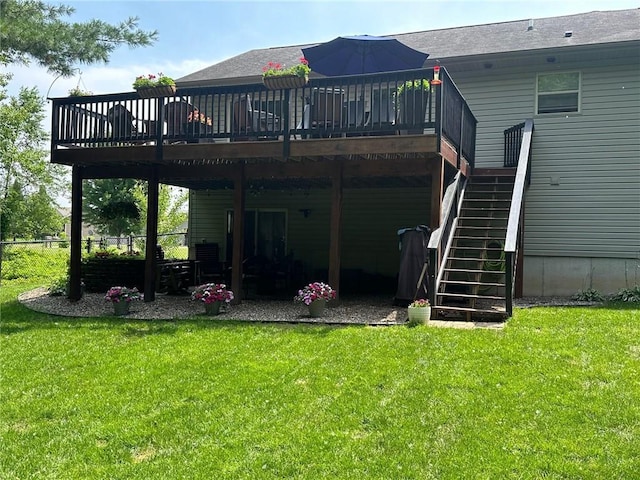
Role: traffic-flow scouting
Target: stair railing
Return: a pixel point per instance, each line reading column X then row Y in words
column 515, row 225
column 441, row 238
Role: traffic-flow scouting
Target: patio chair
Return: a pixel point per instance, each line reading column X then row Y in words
column 123, row 123
column 176, row 115
column 210, row 267
column 382, row 111
column 250, row 124
column 326, row 108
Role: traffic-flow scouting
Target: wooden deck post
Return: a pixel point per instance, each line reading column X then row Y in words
column 437, row 186
column 238, row 233
column 75, row 262
column 152, row 237
column 336, row 227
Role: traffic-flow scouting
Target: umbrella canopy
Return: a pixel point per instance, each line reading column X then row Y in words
column 362, row 54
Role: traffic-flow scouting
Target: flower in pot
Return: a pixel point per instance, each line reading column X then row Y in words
column 315, row 296
column 121, row 298
column 144, row 83
column 78, row 92
column 213, row 295
column 411, row 101
column 419, row 312
column 196, row 120
column 276, row 76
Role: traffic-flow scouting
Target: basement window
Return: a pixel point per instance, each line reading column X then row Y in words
column 558, row 92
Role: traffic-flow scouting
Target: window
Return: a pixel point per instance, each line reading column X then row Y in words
column 558, row 92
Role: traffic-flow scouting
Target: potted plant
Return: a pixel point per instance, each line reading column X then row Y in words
column 276, row 77
column 78, row 92
column 121, row 298
column 149, row 86
column 212, row 295
column 419, row 312
column 411, row 102
column 197, row 123
column 315, row 296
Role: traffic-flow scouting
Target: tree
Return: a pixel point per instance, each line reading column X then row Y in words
column 111, row 206
column 35, row 30
column 22, row 152
column 171, row 207
column 24, row 168
column 43, row 218
column 13, row 213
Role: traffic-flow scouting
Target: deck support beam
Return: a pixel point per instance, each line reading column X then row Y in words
column 335, row 227
column 437, row 192
column 152, row 236
column 75, row 263
column 239, row 196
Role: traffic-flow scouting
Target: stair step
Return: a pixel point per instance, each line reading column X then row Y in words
column 487, row 199
column 466, row 237
column 480, row 227
column 470, row 296
column 485, row 209
column 471, row 270
column 467, row 217
column 467, row 282
column 488, row 249
column 471, row 310
column 477, row 191
column 472, row 259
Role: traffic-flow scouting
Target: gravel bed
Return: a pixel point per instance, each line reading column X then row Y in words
column 369, row 310
column 365, row 311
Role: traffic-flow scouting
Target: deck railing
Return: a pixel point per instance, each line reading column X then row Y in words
column 440, row 239
column 326, row 107
column 515, row 225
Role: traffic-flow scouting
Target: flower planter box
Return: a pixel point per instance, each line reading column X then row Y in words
column 280, row 82
column 154, row 92
column 100, row 274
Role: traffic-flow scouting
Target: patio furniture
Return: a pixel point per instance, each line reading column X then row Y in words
column 326, row 108
column 253, row 123
column 210, row 267
column 123, row 123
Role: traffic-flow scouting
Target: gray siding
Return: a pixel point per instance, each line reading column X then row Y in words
column 584, row 199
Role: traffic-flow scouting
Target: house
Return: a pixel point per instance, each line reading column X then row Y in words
column 329, row 194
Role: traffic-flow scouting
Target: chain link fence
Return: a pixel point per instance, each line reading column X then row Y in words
column 50, row 258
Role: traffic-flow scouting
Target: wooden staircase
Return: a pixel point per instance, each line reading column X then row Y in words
column 472, row 284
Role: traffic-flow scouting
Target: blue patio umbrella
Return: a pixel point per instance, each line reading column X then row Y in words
column 362, row 54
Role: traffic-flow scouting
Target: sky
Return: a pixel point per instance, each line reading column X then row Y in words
column 195, row 34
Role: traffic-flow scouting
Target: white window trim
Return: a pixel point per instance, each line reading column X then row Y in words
column 579, row 91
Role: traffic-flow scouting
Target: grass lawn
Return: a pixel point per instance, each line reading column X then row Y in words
column 554, row 395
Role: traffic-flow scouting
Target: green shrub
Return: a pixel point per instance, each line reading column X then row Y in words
column 628, row 295
column 59, row 287
column 589, row 295
column 31, row 262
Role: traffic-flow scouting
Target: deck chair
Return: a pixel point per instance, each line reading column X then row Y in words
column 253, row 124
column 355, row 113
column 211, row 269
column 123, row 123
column 175, row 115
column 326, row 108
column 382, row 111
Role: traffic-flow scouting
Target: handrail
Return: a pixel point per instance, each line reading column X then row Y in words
column 440, row 239
column 458, row 122
column 514, row 225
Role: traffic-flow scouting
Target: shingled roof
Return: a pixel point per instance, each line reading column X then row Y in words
column 593, row 28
